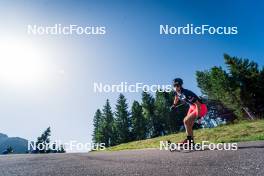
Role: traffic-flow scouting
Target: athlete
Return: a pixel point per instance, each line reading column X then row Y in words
column 196, row 108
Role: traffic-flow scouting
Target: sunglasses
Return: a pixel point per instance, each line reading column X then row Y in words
column 176, row 85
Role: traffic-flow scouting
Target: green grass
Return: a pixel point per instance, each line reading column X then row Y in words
column 242, row 131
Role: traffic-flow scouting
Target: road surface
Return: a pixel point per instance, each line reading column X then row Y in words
column 247, row 160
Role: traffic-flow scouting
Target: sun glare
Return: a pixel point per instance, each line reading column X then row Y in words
column 21, row 64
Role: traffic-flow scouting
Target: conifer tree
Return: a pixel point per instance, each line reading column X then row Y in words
column 97, row 123
column 138, row 122
column 108, row 126
column 122, row 120
column 240, row 88
column 44, row 141
column 148, row 113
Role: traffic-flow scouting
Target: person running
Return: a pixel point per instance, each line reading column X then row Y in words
column 196, row 107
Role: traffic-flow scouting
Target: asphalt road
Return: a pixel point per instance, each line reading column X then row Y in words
column 247, row 160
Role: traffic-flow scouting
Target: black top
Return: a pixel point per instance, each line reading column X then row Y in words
column 188, row 96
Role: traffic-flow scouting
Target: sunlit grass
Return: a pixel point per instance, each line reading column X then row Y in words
column 242, row 131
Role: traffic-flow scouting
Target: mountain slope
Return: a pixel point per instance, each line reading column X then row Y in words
column 18, row 144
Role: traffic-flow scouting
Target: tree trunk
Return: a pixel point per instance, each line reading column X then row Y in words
column 249, row 113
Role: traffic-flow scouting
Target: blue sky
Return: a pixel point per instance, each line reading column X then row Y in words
column 132, row 50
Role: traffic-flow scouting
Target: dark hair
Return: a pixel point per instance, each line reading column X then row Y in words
column 177, row 81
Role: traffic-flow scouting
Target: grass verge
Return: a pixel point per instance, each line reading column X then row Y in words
column 242, row 131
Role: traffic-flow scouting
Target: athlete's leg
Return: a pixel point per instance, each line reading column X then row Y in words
column 189, row 122
column 197, row 114
column 190, row 118
column 198, row 110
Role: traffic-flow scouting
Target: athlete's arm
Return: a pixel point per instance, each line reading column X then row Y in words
column 176, row 100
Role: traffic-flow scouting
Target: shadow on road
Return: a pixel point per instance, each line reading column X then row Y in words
column 248, row 147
